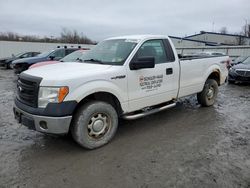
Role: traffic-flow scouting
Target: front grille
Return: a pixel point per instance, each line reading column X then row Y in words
column 27, row 89
column 245, row 73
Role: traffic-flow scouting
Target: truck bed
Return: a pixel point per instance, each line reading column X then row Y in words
column 190, row 57
column 195, row 69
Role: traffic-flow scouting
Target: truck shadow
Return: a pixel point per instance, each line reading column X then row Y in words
column 166, row 122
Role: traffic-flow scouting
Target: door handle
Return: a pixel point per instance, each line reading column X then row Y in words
column 169, row 71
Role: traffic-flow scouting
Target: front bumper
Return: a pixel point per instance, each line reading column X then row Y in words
column 45, row 124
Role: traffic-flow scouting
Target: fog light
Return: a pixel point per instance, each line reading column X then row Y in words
column 43, row 125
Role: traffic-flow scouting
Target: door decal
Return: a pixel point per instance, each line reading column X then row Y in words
column 150, row 83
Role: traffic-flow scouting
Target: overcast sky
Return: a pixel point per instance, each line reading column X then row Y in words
column 99, row 19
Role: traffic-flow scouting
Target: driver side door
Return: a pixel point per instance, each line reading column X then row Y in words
column 151, row 86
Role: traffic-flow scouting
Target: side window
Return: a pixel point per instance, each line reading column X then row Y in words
column 25, row 55
column 29, row 54
column 58, row 53
column 169, row 50
column 35, row 53
column 153, row 48
column 69, row 51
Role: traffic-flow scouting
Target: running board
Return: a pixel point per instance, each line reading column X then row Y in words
column 149, row 112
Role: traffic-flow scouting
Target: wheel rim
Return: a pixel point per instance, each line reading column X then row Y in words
column 210, row 93
column 98, row 125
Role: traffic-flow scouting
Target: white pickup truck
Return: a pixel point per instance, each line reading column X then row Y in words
column 124, row 77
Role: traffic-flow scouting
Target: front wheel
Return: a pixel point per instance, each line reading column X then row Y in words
column 94, row 124
column 209, row 93
column 19, row 68
column 7, row 65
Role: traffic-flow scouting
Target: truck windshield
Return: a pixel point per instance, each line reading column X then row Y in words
column 72, row 56
column 110, row 52
column 45, row 54
column 247, row 61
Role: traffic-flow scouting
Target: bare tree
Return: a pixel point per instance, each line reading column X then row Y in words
column 67, row 36
column 223, row 30
column 246, row 30
column 73, row 36
column 240, row 39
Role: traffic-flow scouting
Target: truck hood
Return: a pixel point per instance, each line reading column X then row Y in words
column 66, row 71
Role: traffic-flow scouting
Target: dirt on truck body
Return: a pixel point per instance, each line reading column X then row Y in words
column 187, row 146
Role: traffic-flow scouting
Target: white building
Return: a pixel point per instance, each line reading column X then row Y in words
column 184, row 42
column 220, row 39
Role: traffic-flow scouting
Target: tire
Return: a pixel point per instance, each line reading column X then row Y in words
column 7, row 65
column 209, row 93
column 20, row 68
column 94, row 124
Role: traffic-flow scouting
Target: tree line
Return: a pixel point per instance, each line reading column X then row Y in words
column 240, row 38
column 245, row 31
column 66, row 36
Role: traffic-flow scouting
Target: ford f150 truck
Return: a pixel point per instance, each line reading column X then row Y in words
column 125, row 77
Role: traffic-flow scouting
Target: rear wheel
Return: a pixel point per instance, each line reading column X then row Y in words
column 94, row 124
column 209, row 93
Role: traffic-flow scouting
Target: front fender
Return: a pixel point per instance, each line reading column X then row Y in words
column 92, row 87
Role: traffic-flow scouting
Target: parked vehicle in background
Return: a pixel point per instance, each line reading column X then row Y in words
column 211, row 53
column 238, row 60
column 240, row 72
column 128, row 77
column 73, row 57
column 54, row 55
column 6, row 62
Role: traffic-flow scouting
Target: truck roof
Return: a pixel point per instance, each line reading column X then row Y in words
column 139, row 37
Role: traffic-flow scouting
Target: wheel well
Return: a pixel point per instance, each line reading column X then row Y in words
column 26, row 65
column 105, row 97
column 20, row 67
column 216, row 76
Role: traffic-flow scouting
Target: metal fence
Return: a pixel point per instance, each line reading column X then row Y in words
column 7, row 48
column 232, row 51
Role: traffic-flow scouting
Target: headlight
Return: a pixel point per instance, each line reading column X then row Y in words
column 231, row 70
column 51, row 95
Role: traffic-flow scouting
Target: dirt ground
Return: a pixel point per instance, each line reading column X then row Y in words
column 186, row 146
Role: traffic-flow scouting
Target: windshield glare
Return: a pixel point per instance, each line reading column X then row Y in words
column 247, row 61
column 72, row 56
column 17, row 55
column 112, row 52
column 45, row 54
column 240, row 59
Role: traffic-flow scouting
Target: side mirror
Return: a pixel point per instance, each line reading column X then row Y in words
column 142, row 63
column 52, row 57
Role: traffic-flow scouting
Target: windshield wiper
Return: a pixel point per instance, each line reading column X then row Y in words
column 79, row 60
column 93, row 60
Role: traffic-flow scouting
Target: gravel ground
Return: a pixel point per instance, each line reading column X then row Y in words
column 186, row 146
